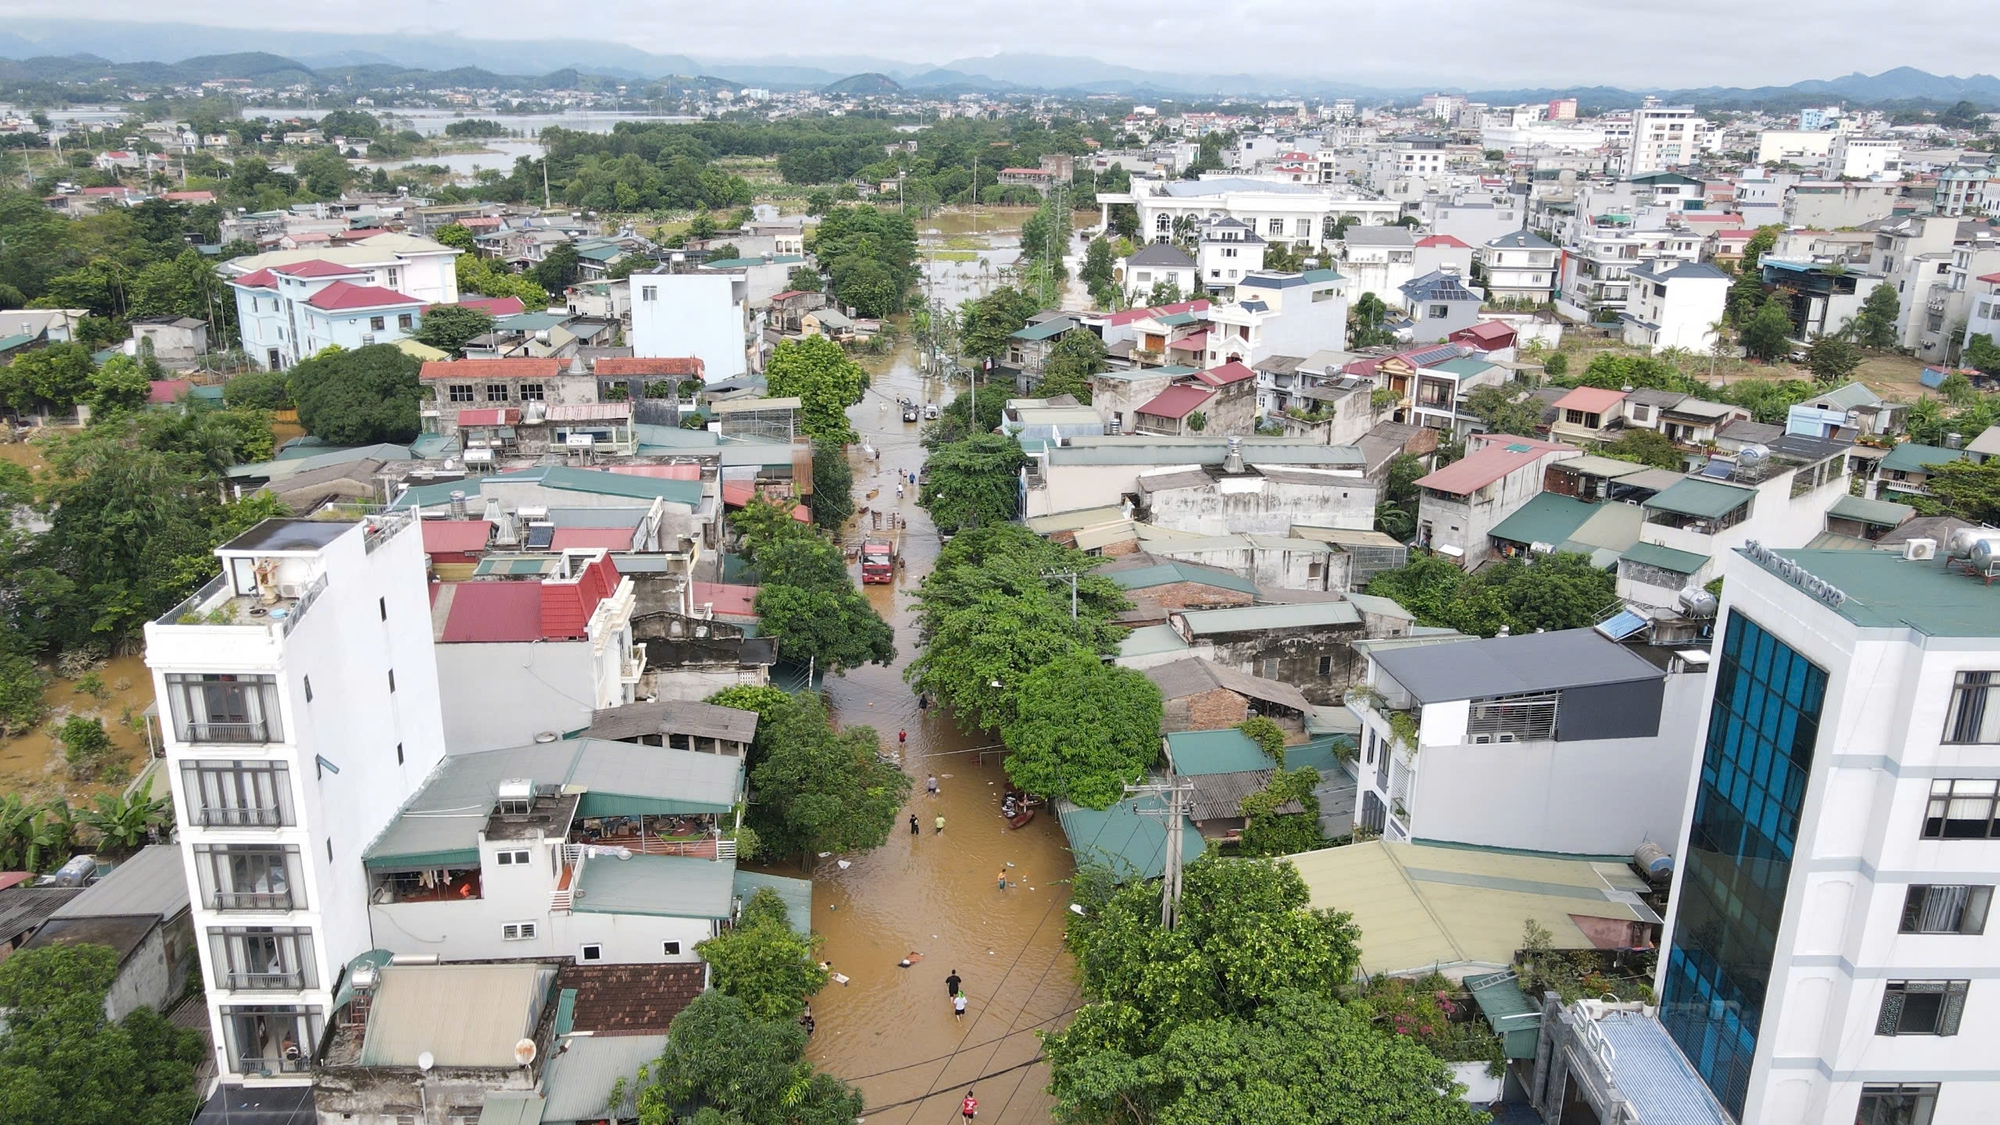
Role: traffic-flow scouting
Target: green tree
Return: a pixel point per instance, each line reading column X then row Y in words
column 359, row 397
column 56, row 378
column 763, row 962
column 1982, row 354
column 63, row 1063
column 1556, row 365
column 1647, row 447
column 832, row 499
column 1874, row 326
column 1096, row 273
column 450, row 327
column 820, row 790
column 1832, row 359
column 259, row 390
column 1164, row 292
column 1767, row 334
column 1504, row 410
column 824, row 379
column 725, row 1065
column 986, row 322
column 1083, row 730
column 1966, row 489
column 323, row 172
column 1559, row 591
column 1070, row 364
column 1615, row 371
column 124, row 823
column 973, row 482
column 1769, row 400
column 21, row 684
column 558, row 268
column 835, row 628
column 120, row 384
column 455, row 235
column 1270, row 830
column 87, row 748
column 1367, row 323
column 805, row 279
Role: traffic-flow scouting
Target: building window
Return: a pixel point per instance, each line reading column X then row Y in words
column 1756, row 760
column 1276, row 226
column 1945, row 908
column 253, row 958
column 531, row 392
column 1325, row 666
column 517, row 931
column 592, row 952
column 399, row 753
column 1910, row 1103
column 210, row 708
column 238, row 794
column 671, row 948
column 1972, row 718
column 1513, row 718
column 496, row 392
column 649, row 293
column 1961, row 810
column 405, row 321
column 376, row 323
column 392, row 681
column 1302, row 227
column 512, row 859
column 1921, row 1007
column 249, row 876
column 269, row 1038
column 1270, row 668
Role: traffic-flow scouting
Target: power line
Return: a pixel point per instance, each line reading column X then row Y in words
column 981, row 1078
column 975, row 1046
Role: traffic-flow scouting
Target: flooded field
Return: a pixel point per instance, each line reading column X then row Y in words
column 32, row 764
column 891, row 1030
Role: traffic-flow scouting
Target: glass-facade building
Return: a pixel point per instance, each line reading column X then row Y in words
column 1754, row 770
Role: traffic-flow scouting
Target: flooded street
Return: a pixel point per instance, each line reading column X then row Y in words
column 891, row 1030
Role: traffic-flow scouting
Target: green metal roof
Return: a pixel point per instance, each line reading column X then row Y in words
column 1254, row 617
column 617, row 778
column 1463, row 365
column 1666, row 558
column 1910, row 457
column 1882, row 513
column 797, row 893
column 1168, row 573
column 1507, row 1011
column 665, row 886
column 1133, row 844
column 604, row 483
column 1546, row 518
column 431, row 495
column 22, row 340
column 1047, row 329
column 1151, row 640
column 1196, row 753
column 746, row 263
column 1703, row 499
column 1885, row 592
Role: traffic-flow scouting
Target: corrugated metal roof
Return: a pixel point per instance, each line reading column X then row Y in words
column 1545, row 518
column 582, row 1074
column 666, row 886
column 607, row 483
column 1195, row 675
column 1703, row 499
column 1198, row 752
column 1666, row 558
column 1493, row 461
column 1133, row 844
column 1654, row 1075
column 1151, row 640
column 152, row 882
column 1565, row 658
column 511, row 1107
column 1912, row 457
column 1168, row 573
column 797, row 893
column 464, row 1015
column 1240, row 619
column 24, row 908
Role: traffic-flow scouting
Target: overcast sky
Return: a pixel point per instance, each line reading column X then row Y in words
column 1533, row 42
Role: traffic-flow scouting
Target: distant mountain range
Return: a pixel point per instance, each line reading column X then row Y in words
column 85, row 50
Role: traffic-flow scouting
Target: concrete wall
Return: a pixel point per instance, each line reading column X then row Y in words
column 1253, row 505
column 503, row 694
column 153, row 974
column 694, row 314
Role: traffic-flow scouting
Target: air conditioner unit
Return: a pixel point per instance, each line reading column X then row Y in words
column 1481, row 739
column 1920, row 550
column 291, row 590
column 1507, row 736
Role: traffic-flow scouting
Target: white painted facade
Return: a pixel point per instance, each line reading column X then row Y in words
column 1675, row 306
column 698, row 314
column 1863, row 158
column 345, row 727
column 1279, row 314
column 1775, row 517
column 1861, row 846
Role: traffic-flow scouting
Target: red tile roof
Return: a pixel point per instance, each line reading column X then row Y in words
column 495, row 306
column 1502, row 454
column 519, row 367
column 609, row 538
column 684, row 366
column 1176, row 402
column 630, row 999
column 1590, row 400
column 1130, row 315
column 257, row 279
column 489, row 416
column 1228, row 373
column 316, row 267
column 1192, row 342
column 342, row 295
column 1443, row 240
column 493, row 612
column 167, row 390
column 566, row 606
column 727, row 598
column 456, row 537
column 1486, row 335
column 658, row 472
column 1023, row 172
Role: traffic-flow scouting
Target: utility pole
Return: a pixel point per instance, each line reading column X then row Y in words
column 1176, row 791
column 1070, row 575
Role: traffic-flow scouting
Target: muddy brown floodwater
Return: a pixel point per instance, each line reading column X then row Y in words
column 891, row 1031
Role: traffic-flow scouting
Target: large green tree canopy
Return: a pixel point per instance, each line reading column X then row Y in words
column 825, row 380
column 1083, row 729
column 974, row 482
column 361, row 396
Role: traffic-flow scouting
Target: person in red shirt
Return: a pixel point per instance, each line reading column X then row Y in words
column 969, row 1108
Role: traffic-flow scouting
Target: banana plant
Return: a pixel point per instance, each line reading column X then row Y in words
column 124, row 823
column 15, row 814
column 49, row 834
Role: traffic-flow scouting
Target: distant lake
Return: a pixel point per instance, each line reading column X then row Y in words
column 431, row 122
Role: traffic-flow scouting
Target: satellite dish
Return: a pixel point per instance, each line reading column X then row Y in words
column 425, row 1062
column 524, row 1052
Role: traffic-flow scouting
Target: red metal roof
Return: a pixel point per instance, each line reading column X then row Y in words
column 1023, row 172
column 347, row 295
column 257, row 279
column 14, row 878
column 1228, row 373
column 1502, row 454
column 494, row 611
column 609, row 538
column 1993, row 277
column 1486, row 335
column 1192, row 342
column 495, row 306
column 727, row 598
column 567, row 606
column 649, row 365
column 1176, row 402
column 1590, row 400
column 658, row 472
column 316, row 267
column 167, row 390
column 519, row 367
column 456, row 537
column 489, row 416
column 1443, row 240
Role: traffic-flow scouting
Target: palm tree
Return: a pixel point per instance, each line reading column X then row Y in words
column 124, row 823
column 1719, row 333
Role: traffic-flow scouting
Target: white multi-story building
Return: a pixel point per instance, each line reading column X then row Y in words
column 1830, row 954
column 1293, row 314
column 301, row 711
column 1674, row 304
column 422, row 268
column 1863, row 158
column 1228, row 250
column 1278, row 212
column 288, row 312
column 704, row 314
column 1596, row 269
column 1984, row 318
column 1967, row 190
column 1520, row 265
column 1664, row 137
column 1379, row 260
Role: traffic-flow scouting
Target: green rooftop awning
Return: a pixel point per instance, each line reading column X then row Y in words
column 1547, row 518
column 1702, row 499
column 1881, row 513
column 1666, row 558
column 1911, row 457
column 1200, row 752
column 1508, row 1012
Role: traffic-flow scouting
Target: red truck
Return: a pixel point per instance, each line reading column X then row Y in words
column 878, row 558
